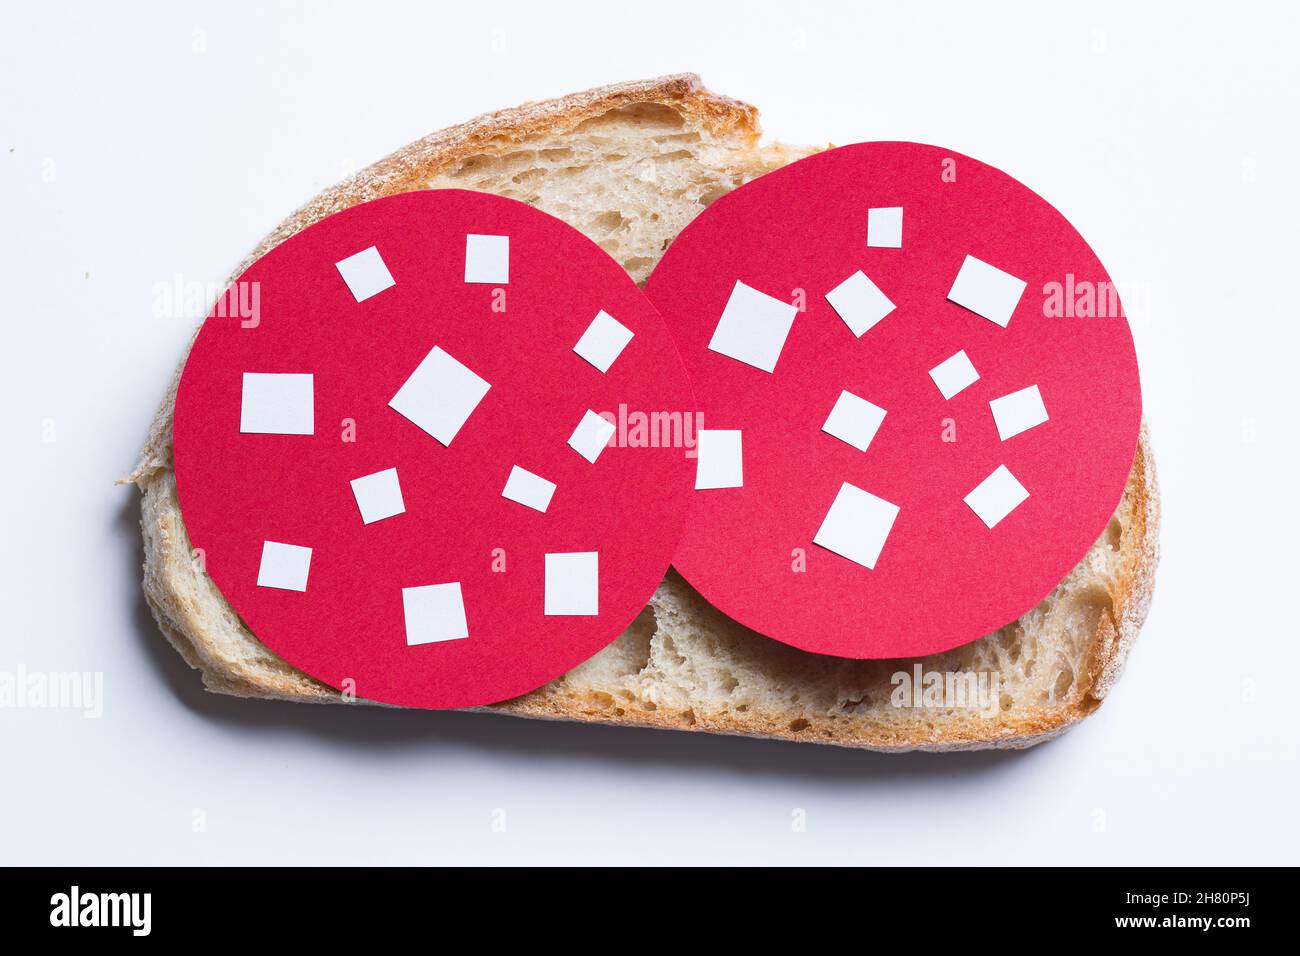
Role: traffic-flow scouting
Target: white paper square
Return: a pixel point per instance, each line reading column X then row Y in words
column 859, row 302
column 283, row 566
column 753, row 327
column 487, row 259
column 433, row 613
column 718, row 459
column 954, row 374
column 604, row 339
column 854, row 420
column 996, row 496
column 1018, row 412
column 440, row 395
column 365, row 273
column 857, row 525
column 378, row 495
column 986, row 290
column 572, row 584
column 528, row 489
column 885, row 227
column 591, row 436
column 276, row 404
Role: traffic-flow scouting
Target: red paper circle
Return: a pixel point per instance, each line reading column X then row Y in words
column 943, row 577
column 238, row 490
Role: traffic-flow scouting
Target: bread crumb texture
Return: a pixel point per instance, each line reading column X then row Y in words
column 630, row 165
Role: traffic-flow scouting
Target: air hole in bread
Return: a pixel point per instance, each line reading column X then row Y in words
column 639, row 115
column 608, row 222
column 711, row 195
column 636, row 264
column 1114, row 533
column 1064, row 682
column 680, row 155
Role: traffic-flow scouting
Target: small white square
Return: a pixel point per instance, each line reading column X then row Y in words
column 275, row 404
column 753, row 327
column 440, row 395
column 854, row 420
column 528, row 489
column 954, row 374
column 859, row 302
column 487, row 259
column 433, row 613
column 986, row 290
column 857, row 525
column 885, row 227
column 591, row 436
column 996, row 496
column 604, row 339
column 365, row 273
column 283, row 566
column 573, row 584
column 719, row 462
column 378, row 495
column 1018, row 412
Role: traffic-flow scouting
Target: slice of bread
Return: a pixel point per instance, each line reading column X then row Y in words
column 630, row 165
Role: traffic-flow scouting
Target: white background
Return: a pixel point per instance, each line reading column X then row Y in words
column 137, row 148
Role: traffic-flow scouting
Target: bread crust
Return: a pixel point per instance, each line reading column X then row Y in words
column 183, row 603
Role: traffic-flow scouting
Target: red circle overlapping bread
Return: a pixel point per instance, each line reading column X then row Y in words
column 402, row 468
column 920, row 399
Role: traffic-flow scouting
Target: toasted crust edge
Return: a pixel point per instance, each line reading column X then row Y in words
column 408, row 168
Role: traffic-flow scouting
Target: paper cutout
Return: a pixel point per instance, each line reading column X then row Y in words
column 528, row 489
column 283, row 566
column 996, row 496
column 859, row 302
column 719, row 462
column 573, row 584
column 277, row 404
column 350, row 628
column 857, row 525
column 954, row 374
column 440, row 395
column 487, row 259
column 434, row 613
column 854, row 420
column 753, row 327
column 591, row 436
column 941, row 580
column 365, row 274
column 378, row 495
column 986, row 290
column 604, row 339
column 885, row 227
column 1018, row 412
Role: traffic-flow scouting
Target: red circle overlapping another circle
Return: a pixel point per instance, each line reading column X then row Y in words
column 925, row 572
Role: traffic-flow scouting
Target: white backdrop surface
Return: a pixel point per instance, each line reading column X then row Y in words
column 153, row 147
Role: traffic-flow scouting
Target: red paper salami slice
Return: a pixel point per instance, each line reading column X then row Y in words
column 920, row 399
column 401, row 464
